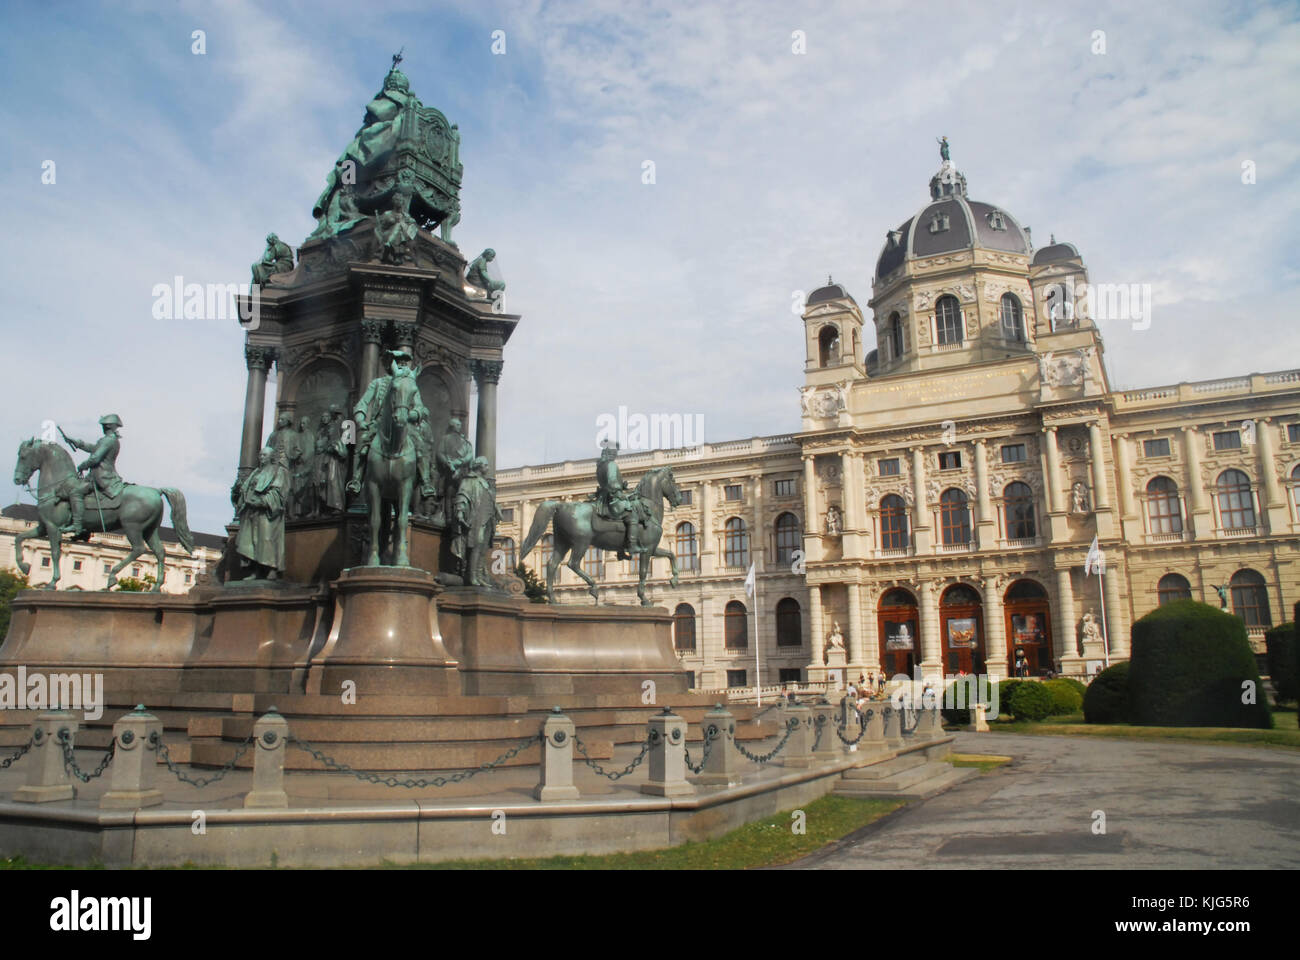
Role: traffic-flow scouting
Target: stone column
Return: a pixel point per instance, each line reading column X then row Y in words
column 1100, row 488
column 931, row 643
column 257, row 360
column 855, row 645
column 854, row 519
column 372, row 332
column 1202, row 520
column 985, row 521
column 817, row 636
column 1117, row 637
column 1066, row 642
column 995, row 630
column 1053, row 457
column 1124, row 463
column 812, row 539
column 1273, row 502
column 871, row 631
column 921, row 511
column 487, row 374
column 705, row 545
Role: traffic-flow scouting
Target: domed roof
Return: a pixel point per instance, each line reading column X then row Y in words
column 1056, row 251
column 951, row 222
column 832, row 291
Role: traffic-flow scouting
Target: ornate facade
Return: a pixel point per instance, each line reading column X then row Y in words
column 939, row 503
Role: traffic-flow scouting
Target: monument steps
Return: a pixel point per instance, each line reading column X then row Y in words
column 916, row 781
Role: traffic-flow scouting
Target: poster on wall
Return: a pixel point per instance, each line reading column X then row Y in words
column 961, row 633
column 1028, row 628
column 900, row 636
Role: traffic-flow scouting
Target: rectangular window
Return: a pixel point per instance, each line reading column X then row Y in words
column 783, row 488
column 690, row 679
column 1293, row 432
column 108, row 567
column 687, row 499
column 888, row 468
column 1227, row 440
column 189, row 578
column 1013, row 453
column 76, row 564
column 1156, row 448
column 507, row 514
column 45, row 561
column 731, row 491
column 737, row 678
column 790, row 675
column 950, row 461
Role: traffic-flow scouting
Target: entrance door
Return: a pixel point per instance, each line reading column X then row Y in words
column 899, row 633
column 961, row 630
column 1029, row 629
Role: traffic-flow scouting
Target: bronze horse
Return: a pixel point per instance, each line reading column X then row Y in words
column 577, row 527
column 138, row 512
column 391, row 469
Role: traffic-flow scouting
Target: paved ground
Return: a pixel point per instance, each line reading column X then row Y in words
column 1167, row 805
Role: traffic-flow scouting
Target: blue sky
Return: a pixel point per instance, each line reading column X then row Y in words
column 772, row 170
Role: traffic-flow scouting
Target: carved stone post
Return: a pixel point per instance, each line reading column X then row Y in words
column 47, row 778
column 487, row 374
column 270, row 735
column 557, row 759
column 720, row 765
column 668, row 757
column 134, row 764
column 798, row 751
column 892, row 730
column 823, row 717
column 372, row 333
column 258, row 359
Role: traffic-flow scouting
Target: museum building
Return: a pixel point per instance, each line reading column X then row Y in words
column 937, row 507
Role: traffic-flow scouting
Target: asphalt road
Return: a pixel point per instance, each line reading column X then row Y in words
column 1166, row 805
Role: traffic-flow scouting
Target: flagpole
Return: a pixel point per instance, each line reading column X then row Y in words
column 758, row 648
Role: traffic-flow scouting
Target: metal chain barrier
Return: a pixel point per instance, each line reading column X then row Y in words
column 156, row 744
column 4, row 764
column 393, row 781
column 902, row 720
column 820, row 723
column 710, row 735
column 64, row 738
column 767, row 757
column 862, row 729
column 636, row 761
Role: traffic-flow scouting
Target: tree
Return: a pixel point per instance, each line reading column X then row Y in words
column 534, row 589
column 10, row 584
column 132, row 585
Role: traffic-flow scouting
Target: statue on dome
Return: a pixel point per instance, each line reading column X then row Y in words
column 943, row 149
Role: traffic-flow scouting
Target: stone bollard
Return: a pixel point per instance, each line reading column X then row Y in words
column 134, row 764
column 798, row 751
column 828, row 749
column 893, row 732
column 927, row 725
column 556, row 770
column 874, row 739
column 668, row 757
column 47, row 776
column 720, row 765
column 270, row 737
column 979, row 718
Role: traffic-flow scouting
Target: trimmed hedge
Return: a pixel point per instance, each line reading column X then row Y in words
column 1281, row 642
column 1082, row 688
column 1065, row 698
column 954, row 694
column 1005, row 689
column 1107, row 698
column 1188, row 667
column 1030, row 701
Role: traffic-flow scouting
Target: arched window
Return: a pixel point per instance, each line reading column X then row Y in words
column 789, row 629
column 507, row 546
column 954, row 517
column 1059, row 301
column 893, row 523
column 1013, row 318
column 1173, row 586
column 736, row 632
column 736, row 543
column 1018, row 501
column 1164, row 513
column 947, row 320
column 1250, row 598
column 687, row 547
column 787, row 537
column 895, row 334
column 828, row 341
column 545, row 548
column 1023, row 590
column 1236, row 506
column 684, row 627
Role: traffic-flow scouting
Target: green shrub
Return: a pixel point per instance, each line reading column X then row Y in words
column 1281, row 642
column 1005, row 689
column 10, row 583
column 1030, row 701
column 1189, row 667
column 534, row 586
column 1079, row 687
column 1295, row 618
column 132, row 585
column 1107, row 698
column 962, row 693
column 1065, row 698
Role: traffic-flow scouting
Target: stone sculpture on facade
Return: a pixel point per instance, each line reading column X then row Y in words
column 834, row 522
column 1079, row 502
column 263, row 500
column 1090, row 629
column 278, row 258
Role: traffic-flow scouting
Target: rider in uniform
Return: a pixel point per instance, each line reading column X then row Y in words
column 613, row 500
column 102, row 464
column 366, row 415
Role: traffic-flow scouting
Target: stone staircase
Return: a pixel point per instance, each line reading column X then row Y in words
column 912, row 775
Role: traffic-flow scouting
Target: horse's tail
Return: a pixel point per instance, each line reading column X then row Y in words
column 180, row 521
column 541, row 520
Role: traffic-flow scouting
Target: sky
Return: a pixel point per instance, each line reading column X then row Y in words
column 1162, row 139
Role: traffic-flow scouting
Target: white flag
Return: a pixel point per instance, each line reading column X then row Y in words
column 1096, row 562
column 749, row 581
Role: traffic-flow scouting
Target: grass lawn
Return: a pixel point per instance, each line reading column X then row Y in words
column 1284, row 734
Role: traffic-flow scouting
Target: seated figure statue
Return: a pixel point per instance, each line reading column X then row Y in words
column 278, row 258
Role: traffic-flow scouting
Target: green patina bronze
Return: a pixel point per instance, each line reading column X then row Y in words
column 475, row 519
column 477, row 274
column 261, row 505
column 278, row 258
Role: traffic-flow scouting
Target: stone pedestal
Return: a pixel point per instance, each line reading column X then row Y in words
column 828, row 747
column 47, row 778
column 720, row 765
column 385, row 636
column 979, row 719
column 134, row 763
column 798, row 752
column 557, row 760
column 667, row 757
column 269, row 743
